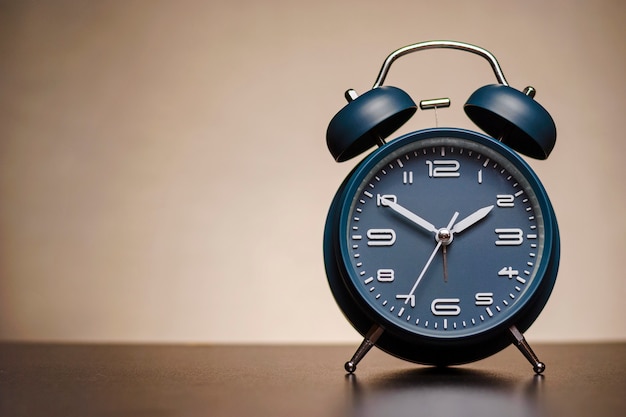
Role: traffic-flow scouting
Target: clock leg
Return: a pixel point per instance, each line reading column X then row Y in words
column 368, row 342
column 526, row 350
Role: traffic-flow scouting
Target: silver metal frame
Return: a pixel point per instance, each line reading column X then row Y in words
column 440, row 45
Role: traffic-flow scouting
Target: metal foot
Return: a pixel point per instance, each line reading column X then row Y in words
column 526, row 350
column 370, row 339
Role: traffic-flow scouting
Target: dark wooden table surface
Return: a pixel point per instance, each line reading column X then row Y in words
column 182, row 380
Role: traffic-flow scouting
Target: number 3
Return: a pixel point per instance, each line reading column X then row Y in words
column 509, row 237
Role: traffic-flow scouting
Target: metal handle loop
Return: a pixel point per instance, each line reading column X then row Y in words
column 436, row 45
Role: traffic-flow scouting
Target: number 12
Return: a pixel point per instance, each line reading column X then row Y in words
column 439, row 168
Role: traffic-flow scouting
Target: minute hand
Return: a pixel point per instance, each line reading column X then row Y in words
column 410, row 216
column 471, row 219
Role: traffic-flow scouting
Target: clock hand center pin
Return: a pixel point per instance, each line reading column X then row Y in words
column 444, row 236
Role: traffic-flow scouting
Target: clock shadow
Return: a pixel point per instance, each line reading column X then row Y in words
column 442, row 392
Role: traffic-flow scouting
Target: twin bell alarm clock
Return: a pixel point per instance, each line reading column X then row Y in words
column 441, row 247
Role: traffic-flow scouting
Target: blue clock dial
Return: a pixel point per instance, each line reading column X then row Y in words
column 444, row 234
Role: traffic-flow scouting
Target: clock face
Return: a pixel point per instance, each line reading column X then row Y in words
column 444, row 234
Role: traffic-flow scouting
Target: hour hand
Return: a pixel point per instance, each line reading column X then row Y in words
column 409, row 215
column 471, row 219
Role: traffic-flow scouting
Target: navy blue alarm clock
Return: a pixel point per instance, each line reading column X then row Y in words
column 442, row 247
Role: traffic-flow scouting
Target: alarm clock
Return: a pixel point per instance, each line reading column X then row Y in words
column 441, row 247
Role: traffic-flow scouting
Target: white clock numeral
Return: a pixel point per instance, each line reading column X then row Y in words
column 484, row 298
column 408, row 298
column 385, row 275
column 380, row 199
column 508, row 272
column 509, row 237
column 381, row 237
column 505, row 200
column 407, row 177
column 445, row 307
column 440, row 168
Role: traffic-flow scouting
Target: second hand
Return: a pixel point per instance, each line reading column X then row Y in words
column 411, row 296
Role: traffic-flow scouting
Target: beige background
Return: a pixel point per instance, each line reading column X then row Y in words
column 164, row 175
